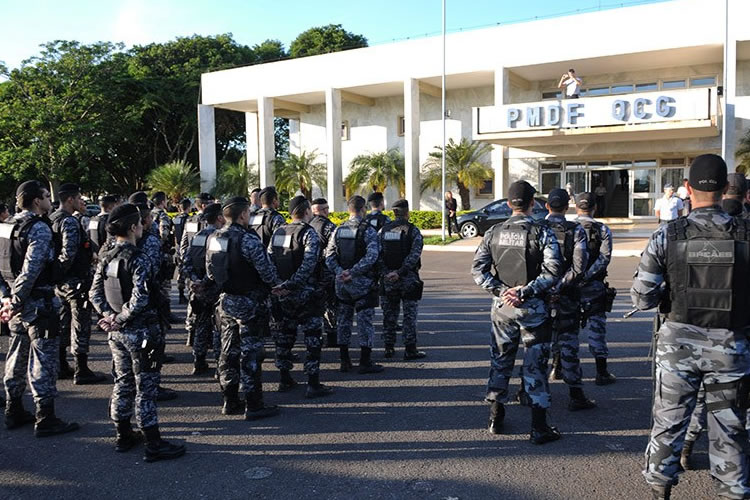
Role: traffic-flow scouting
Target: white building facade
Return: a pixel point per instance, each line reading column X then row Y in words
column 654, row 95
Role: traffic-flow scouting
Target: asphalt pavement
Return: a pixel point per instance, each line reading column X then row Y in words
column 417, row 430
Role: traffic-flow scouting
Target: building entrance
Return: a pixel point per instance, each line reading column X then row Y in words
column 612, row 191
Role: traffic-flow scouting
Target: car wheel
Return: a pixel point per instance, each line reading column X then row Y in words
column 469, row 230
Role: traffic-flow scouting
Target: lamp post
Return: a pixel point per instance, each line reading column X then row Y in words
column 442, row 161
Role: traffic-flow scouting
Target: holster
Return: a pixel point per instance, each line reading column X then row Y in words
column 414, row 292
column 47, row 323
column 609, row 297
column 150, row 356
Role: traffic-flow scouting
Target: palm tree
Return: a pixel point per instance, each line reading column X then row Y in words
column 178, row 179
column 743, row 154
column 465, row 167
column 236, row 179
column 299, row 173
column 376, row 171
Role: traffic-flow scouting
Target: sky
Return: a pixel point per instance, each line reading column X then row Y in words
column 24, row 25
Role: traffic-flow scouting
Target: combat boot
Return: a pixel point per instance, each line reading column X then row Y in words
column 47, row 424
column 255, row 409
column 232, row 403
column 200, row 367
column 579, row 401
column 83, row 375
column 126, row 436
column 165, row 394
column 159, row 449
column 315, row 389
column 687, row 451
column 346, row 360
column 65, row 371
column 390, row 351
column 497, row 416
column 556, row 371
column 182, row 298
column 661, row 492
column 287, row 383
column 411, row 353
column 541, row 432
column 365, row 362
column 603, row 377
column 15, row 415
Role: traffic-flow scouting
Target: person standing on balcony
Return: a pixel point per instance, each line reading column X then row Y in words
column 571, row 83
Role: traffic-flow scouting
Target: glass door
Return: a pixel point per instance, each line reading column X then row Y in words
column 643, row 189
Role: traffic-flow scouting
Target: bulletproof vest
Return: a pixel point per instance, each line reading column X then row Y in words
column 261, row 222
column 516, row 255
column 118, row 277
column 319, row 223
column 593, row 240
column 13, row 245
column 226, row 265
column 376, row 220
column 707, row 274
column 98, row 229
column 179, row 226
column 565, row 234
column 288, row 249
column 350, row 243
column 84, row 254
column 197, row 253
column 395, row 241
column 193, row 226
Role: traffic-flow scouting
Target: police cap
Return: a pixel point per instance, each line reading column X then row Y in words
column 708, row 173
column 32, row 188
column 123, row 212
column 400, row 204
column 236, row 200
column 737, row 184
column 585, row 201
column 319, row 201
column 69, row 188
column 298, row 204
column 520, row 194
column 205, row 197
column 558, row 198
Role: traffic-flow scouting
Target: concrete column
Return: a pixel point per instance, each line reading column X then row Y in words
column 266, row 141
column 251, row 140
column 411, row 142
column 333, row 149
column 498, row 155
column 729, row 133
column 295, row 144
column 206, row 147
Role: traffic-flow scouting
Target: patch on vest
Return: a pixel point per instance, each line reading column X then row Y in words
column 392, row 236
column 199, row 240
column 256, row 220
column 6, row 230
column 192, row 227
column 347, row 233
column 710, row 252
column 374, row 223
column 218, row 245
column 93, row 225
column 282, row 241
column 512, row 239
column 113, row 268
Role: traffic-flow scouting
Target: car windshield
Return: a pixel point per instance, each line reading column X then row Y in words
column 497, row 207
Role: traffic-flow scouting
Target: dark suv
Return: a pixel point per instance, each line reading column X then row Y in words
column 477, row 222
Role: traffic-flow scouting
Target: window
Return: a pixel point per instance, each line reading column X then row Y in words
column 643, row 207
column 550, row 181
column 345, row 130
column 499, row 207
column 622, row 89
column 486, row 188
column 577, row 181
column 552, row 94
column 596, row 91
column 703, row 81
column 673, row 84
column 672, row 176
column 551, row 166
column 673, row 161
column 646, row 87
column 401, row 125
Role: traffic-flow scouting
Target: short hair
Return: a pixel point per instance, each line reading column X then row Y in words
column 185, row 204
column 108, row 201
column 65, row 196
column 159, row 197
column 571, row 70
column 268, row 195
column 211, row 218
column 255, row 190
column 375, row 199
column 233, row 212
column 400, row 211
column 29, row 191
column 356, row 203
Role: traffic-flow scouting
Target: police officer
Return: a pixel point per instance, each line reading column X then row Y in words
column 239, row 264
column 571, row 238
column 178, row 224
column 694, row 268
column 97, row 227
column 254, row 200
column 376, row 218
column 27, row 262
column 518, row 262
column 166, row 235
column 295, row 251
column 325, row 228
column 732, row 200
column 594, row 290
column 203, row 292
column 352, row 255
column 120, row 295
column 75, row 260
column 400, row 259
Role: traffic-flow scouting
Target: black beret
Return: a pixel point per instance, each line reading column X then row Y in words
column 123, row 212
column 109, row 198
column 585, row 201
column 558, row 198
column 298, row 204
column 205, row 197
column 138, row 198
column 236, row 200
column 375, row 197
column 69, row 188
column 402, row 204
column 33, row 188
column 708, row 173
column 212, row 209
column 319, row 201
column 520, row 193
column 737, row 184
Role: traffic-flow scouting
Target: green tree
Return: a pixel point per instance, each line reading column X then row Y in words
column 325, row 39
column 177, row 179
column 269, row 51
column 465, row 167
column 299, row 173
column 376, row 171
column 236, row 178
column 742, row 153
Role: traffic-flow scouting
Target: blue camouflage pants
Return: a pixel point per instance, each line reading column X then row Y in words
column 596, row 327
column 241, row 358
column 285, row 334
column 202, row 323
column 568, row 345
column 391, row 305
column 365, row 328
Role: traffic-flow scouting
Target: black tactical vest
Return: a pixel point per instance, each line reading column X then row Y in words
column 593, row 241
column 196, row 253
column 13, row 245
column 288, row 249
column 319, row 223
column 118, row 275
column 376, row 220
column 707, row 274
column 262, row 223
column 179, row 226
column 226, row 265
column 395, row 241
column 516, row 255
column 82, row 262
column 350, row 243
column 565, row 232
column 193, row 226
column 98, row 229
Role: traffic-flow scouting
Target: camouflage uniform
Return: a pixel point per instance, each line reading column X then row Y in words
column 325, row 229
column 136, row 380
column 350, row 295
column 264, row 309
column 687, row 356
column 513, row 324
column 179, row 221
column 184, row 247
column 166, row 236
column 150, row 245
column 32, row 350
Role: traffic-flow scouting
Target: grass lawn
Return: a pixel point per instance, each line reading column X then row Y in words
column 438, row 240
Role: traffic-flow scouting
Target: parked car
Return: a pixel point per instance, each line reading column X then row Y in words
column 92, row 210
column 477, row 222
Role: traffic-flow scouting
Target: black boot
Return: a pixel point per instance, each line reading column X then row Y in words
column 287, row 383
column 390, row 350
column 687, row 451
column 579, row 401
column 47, row 424
column 541, row 432
column 65, row 371
column 200, row 367
column 556, row 371
column 157, row 448
column 603, row 377
column 365, row 362
column 126, row 436
column 232, row 403
column 182, row 298
column 255, row 409
column 15, row 415
column 332, row 339
column 346, row 360
column 315, row 389
column 497, row 415
column 661, row 492
column 522, row 396
column 411, row 353
column 165, row 394
column 83, row 375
